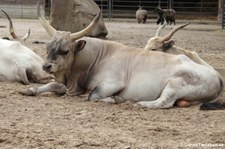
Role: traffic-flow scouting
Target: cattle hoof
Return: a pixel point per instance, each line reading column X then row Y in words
column 94, row 100
column 27, row 92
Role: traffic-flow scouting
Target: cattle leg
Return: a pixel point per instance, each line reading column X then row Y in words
column 144, row 20
column 168, row 97
column 104, row 90
column 162, row 22
column 112, row 100
column 57, row 88
column 23, row 76
column 165, row 101
column 158, row 21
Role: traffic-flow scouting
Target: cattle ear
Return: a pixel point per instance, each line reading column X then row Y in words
column 80, row 45
column 168, row 45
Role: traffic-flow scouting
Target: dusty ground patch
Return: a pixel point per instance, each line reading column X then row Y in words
column 48, row 121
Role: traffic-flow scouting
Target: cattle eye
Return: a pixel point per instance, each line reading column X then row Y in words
column 63, row 52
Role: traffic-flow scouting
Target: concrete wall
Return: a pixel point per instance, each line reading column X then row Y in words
column 20, row 8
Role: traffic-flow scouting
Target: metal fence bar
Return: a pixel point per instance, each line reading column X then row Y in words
column 104, row 6
column 110, row 9
column 223, row 15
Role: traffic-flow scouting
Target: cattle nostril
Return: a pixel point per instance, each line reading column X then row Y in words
column 46, row 66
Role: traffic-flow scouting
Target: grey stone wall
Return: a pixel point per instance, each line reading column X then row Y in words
column 20, row 8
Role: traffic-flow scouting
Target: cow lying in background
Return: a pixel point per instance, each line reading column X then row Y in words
column 12, row 32
column 164, row 44
column 19, row 63
column 113, row 72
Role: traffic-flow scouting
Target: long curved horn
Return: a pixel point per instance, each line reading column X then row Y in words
column 85, row 31
column 11, row 29
column 50, row 30
column 161, row 27
column 25, row 37
column 167, row 37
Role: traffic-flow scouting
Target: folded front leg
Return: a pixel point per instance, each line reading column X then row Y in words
column 106, row 89
column 57, row 88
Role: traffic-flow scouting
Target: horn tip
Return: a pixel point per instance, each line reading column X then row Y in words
column 10, row 21
column 29, row 31
column 97, row 17
column 187, row 24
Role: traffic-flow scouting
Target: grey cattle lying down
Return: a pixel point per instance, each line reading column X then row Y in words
column 19, row 63
column 113, row 72
column 164, row 44
column 106, row 69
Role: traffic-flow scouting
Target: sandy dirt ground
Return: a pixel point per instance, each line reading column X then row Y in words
column 51, row 122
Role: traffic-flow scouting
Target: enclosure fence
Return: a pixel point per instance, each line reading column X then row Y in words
column 122, row 8
column 184, row 8
column 223, row 18
column 23, row 8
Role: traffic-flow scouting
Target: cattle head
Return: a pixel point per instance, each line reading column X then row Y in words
column 63, row 45
column 61, row 51
column 140, row 7
column 157, row 9
column 158, row 43
column 12, row 32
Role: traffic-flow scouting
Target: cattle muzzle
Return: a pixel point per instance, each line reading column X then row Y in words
column 47, row 67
